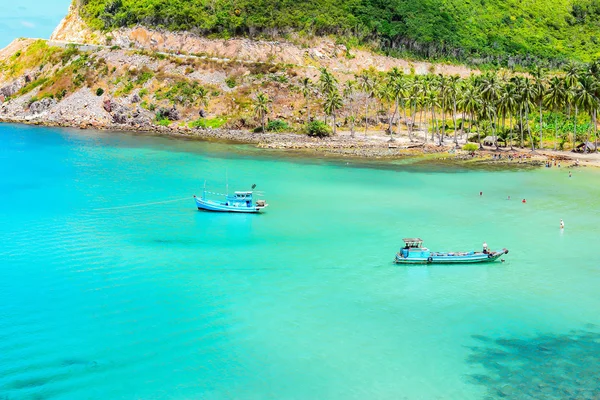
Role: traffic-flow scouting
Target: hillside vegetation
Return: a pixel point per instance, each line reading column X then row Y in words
column 496, row 32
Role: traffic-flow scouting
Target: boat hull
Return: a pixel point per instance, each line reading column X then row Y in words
column 208, row 205
column 446, row 258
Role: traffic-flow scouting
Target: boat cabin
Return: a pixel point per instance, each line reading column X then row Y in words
column 240, row 199
column 413, row 247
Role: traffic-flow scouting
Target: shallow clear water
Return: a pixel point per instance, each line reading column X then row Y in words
column 102, row 300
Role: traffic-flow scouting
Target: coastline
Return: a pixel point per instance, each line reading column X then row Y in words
column 343, row 146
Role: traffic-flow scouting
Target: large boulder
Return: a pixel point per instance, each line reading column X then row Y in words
column 140, row 118
column 170, row 113
column 107, row 105
column 135, row 98
column 12, row 88
column 118, row 112
column 38, row 107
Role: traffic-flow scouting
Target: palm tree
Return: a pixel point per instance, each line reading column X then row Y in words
column 395, row 83
column 572, row 73
column 443, row 86
column 554, row 98
column 203, row 96
column 328, row 84
column 416, row 98
column 327, row 81
column 526, row 99
column 539, row 75
column 490, row 87
column 367, row 85
column 506, row 105
column 517, row 82
column 470, row 103
column 432, row 102
column 333, row 102
column 349, row 91
column 586, row 99
column 261, row 107
column 453, row 91
column 487, row 112
column 306, row 86
column 401, row 90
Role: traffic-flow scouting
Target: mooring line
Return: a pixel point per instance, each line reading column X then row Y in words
column 142, row 205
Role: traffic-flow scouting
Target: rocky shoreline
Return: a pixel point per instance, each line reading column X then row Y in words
column 339, row 146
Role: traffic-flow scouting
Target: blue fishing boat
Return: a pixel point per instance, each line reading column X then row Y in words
column 413, row 252
column 239, row 202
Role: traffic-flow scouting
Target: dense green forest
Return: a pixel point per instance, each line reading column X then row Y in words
column 494, row 32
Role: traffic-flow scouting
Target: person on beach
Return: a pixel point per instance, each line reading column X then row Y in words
column 485, row 248
column 562, row 224
column 570, row 174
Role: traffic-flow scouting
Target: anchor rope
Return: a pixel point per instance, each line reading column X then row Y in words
column 141, row 205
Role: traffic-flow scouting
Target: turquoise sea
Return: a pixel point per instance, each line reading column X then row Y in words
column 101, row 299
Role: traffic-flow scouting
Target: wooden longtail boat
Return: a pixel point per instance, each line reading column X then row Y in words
column 413, row 252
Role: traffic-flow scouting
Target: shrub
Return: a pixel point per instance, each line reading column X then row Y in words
column 277, row 125
column 208, row 123
column 470, row 147
column 318, row 129
column 61, row 94
column 183, row 92
column 230, row 82
column 161, row 120
column 99, row 92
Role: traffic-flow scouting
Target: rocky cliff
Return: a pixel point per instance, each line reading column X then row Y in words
column 142, row 79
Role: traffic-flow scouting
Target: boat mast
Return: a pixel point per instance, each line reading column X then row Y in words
column 204, row 192
column 227, row 182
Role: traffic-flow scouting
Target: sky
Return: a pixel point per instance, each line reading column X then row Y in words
column 30, row 18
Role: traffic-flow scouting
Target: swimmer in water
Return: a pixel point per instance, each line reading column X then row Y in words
column 562, row 224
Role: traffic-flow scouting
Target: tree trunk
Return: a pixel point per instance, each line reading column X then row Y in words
column 454, row 119
column 575, row 127
column 521, row 125
column 352, row 118
column 568, row 114
column 595, row 131
column 588, row 133
column 494, row 135
column 479, row 135
column 334, row 124
column 391, row 127
column 421, row 123
column 404, row 116
column 433, row 127
column 262, row 122
column 541, row 122
column 409, row 126
column 366, row 116
column 529, row 128
column 443, row 119
column 555, row 131
column 307, row 111
column 503, row 128
column 511, row 130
